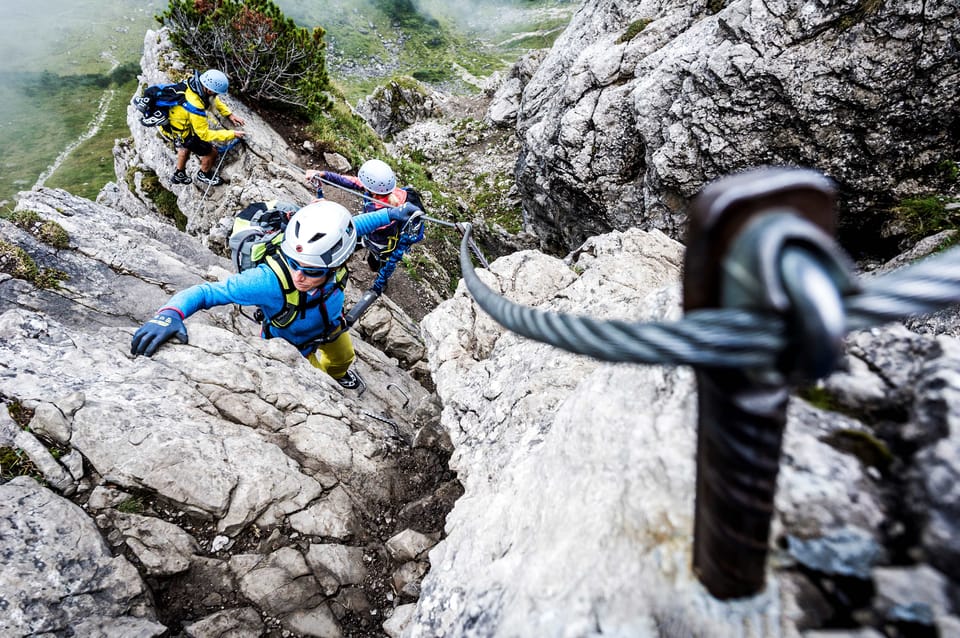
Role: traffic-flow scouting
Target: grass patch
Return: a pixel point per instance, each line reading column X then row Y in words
column 342, row 131
column 90, row 166
column 863, row 10
column 46, row 231
column 925, row 216
column 17, row 263
column 68, row 105
column 165, row 201
column 489, row 198
column 636, row 27
column 818, row 397
column 13, row 461
column 132, row 505
column 414, row 264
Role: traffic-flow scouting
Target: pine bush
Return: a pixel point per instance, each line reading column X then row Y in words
column 267, row 56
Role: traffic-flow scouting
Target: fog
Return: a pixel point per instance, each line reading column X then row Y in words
column 490, row 19
column 50, row 50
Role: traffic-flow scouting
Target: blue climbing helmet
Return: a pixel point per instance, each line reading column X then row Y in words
column 215, row 80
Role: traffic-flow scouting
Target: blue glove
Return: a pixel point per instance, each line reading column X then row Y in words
column 403, row 213
column 151, row 335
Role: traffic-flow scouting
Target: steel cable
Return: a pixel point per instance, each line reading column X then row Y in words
column 723, row 337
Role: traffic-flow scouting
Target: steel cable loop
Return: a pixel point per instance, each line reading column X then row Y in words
column 721, row 337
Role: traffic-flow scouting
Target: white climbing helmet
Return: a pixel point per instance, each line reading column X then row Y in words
column 377, row 177
column 215, row 80
column 321, row 235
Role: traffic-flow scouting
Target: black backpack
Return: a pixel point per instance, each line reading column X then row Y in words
column 413, row 196
column 155, row 101
column 382, row 241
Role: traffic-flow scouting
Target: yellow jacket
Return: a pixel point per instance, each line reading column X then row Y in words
column 183, row 122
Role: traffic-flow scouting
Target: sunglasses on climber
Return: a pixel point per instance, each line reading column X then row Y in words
column 308, row 271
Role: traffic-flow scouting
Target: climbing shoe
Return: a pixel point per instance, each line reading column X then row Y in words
column 180, row 177
column 209, row 178
column 352, row 381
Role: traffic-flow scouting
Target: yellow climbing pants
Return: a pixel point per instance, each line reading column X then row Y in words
column 334, row 358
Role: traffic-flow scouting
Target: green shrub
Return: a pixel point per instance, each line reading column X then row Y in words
column 267, row 57
column 343, row 131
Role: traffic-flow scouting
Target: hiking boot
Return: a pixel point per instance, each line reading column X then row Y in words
column 180, row 177
column 209, row 178
column 352, row 381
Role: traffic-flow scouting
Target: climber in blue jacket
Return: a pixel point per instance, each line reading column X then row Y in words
column 305, row 307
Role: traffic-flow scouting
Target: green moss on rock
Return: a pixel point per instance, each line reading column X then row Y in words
column 17, row 263
column 163, row 199
column 46, row 231
column 634, row 29
column 868, row 449
column 925, row 216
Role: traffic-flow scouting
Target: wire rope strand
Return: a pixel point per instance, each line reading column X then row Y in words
column 722, row 337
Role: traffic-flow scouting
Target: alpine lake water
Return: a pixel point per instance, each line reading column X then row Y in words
column 68, row 68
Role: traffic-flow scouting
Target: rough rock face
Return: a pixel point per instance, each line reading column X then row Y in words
column 642, row 102
column 185, row 457
column 86, row 590
column 579, row 476
column 398, row 104
column 505, row 104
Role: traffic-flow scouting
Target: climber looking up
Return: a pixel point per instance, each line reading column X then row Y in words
column 377, row 184
column 308, row 266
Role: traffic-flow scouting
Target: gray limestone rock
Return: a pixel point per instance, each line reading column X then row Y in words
column 316, row 622
column 639, row 104
column 409, row 545
column 398, row 104
column 278, row 583
column 230, row 623
column 59, row 576
column 161, row 547
column 505, row 103
column 336, row 565
column 914, row 594
column 399, row 620
column 568, row 461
